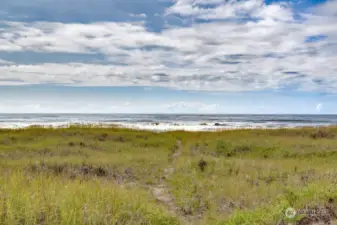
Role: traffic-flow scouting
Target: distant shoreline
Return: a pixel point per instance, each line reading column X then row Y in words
column 162, row 123
column 171, row 129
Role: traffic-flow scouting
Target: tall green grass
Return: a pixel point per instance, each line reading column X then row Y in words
column 43, row 199
column 92, row 175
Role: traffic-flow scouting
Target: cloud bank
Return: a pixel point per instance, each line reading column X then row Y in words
column 218, row 45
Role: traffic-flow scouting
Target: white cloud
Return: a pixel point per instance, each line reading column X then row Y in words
column 209, row 108
column 226, row 9
column 190, row 106
column 319, row 107
column 141, row 15
column 66, row 106
column 5, row 62
column 126, row 103
column 328, row 9
column 269, row 52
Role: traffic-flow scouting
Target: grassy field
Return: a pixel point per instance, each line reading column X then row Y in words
column 96, row 176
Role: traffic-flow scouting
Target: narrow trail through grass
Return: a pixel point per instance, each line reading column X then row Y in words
column 162, row 193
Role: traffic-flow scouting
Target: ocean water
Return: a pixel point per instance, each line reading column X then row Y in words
column 166, row 122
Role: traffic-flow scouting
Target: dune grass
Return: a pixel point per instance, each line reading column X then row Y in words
column 92, row 175
column 44, row 199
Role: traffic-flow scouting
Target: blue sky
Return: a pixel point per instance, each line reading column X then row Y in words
column 168, row 56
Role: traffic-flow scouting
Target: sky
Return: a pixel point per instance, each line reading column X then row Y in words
column 168, row 56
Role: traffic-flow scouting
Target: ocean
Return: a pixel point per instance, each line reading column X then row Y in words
column 167, row 122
